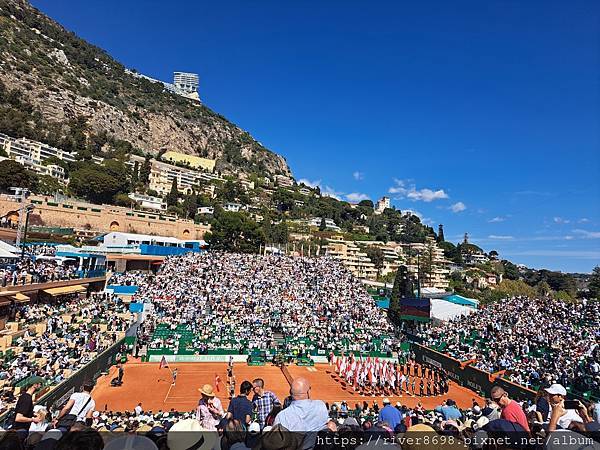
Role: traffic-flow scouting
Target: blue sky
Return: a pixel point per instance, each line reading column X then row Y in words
column 483, row 116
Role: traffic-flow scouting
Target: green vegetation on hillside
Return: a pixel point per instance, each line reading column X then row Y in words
column 47, row 59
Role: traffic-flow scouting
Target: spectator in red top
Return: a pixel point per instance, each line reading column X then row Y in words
column 511, row 410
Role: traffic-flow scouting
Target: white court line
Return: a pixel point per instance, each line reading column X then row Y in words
column 168, row 392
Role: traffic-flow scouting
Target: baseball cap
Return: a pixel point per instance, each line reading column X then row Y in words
column 386, row 401
column 556, row 389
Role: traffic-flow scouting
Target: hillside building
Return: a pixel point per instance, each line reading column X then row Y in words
column 194, row 162
column 329, row 223
column 148, row 201
column 382, row 204
column 350, row 255
column 32, row 154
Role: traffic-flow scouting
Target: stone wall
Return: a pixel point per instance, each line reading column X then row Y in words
column 101, row 218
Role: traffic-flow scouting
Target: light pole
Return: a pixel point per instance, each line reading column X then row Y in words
column 418, row 276
column 28, row 210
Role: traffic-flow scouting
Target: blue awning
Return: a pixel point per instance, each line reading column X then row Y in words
column 460, row 300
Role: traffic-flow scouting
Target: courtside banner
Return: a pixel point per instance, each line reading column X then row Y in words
column 466, row 375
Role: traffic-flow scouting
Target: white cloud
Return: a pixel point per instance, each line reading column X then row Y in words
column 500, row 238
column 458, row 207
column 497, row 219
column 560, row 220
column 328, row 191
column 310, row 184
column 426, row 195
column 356, row 197
column 398, row 188
column 583, row 220
column 588, row 234
column 358, row 175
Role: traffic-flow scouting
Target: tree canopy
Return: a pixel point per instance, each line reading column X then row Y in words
column 13, row 174
column 235, row 232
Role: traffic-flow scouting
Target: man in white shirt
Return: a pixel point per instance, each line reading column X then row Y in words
column 80, row 404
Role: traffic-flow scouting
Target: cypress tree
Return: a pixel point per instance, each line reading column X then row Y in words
column 403, row 288
column 173, row 195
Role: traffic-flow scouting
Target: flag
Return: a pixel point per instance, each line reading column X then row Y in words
column 217, row 382
column 163, row 363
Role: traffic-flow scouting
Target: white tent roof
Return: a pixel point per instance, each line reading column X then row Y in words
column 8, row 251
column 444, row 310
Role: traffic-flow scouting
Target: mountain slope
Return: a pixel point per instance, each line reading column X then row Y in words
column 62, row 79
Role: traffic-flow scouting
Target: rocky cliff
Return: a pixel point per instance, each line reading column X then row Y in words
column 62, row 78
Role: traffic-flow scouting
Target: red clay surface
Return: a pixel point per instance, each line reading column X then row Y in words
column 146, row 383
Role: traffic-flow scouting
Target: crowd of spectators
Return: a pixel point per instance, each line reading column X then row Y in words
column 129, row 278
column 59, row 338
column 536, row 341
column 226, row 299
column 41, row 249
column 27, row 271
column 256, row 419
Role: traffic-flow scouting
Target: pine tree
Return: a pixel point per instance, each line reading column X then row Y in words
column 323, row 225
column 173, row 195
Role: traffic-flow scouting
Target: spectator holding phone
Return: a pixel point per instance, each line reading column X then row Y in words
column 563, row 415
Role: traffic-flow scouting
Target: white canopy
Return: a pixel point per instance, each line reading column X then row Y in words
column 445, row 310
column 8, row 251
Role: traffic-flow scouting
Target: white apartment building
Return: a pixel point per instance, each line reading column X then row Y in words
column 473, row 259
column 206, row 210
column 382, row 204
column 329, row 223
column 233, row 207
column 186, row 82
column 162, row 175
column 32, row 154
column 148, row 201
column 351, row 257
column 283, row 181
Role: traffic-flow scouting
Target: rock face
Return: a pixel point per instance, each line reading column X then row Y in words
column 64, row 78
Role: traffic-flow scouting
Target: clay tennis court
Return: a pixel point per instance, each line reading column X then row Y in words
column 147, row 383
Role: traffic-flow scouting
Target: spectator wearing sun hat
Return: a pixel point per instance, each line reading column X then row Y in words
column 189, row 433
column 206, row 410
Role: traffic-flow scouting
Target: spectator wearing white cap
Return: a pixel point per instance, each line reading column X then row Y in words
column 556, row 398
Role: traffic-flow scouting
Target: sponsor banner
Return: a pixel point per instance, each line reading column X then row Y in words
column 470, row 377
column 198, row 358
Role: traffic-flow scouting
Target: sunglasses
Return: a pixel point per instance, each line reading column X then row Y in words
column 497, row 399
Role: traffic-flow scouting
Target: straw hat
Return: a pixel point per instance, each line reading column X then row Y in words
column 207, row 390
column 189, row 433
